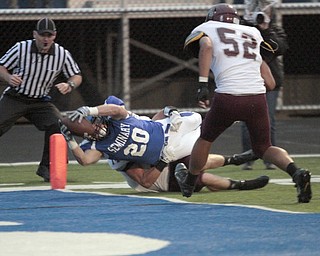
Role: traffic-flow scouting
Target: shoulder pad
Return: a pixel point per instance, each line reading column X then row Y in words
column 195, row 36
column 191, row 43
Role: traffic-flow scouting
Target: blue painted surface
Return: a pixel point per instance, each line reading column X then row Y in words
column 192, row 229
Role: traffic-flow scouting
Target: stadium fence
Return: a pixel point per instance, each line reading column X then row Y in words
column 134, row 49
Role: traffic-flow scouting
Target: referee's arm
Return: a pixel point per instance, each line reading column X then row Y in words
column 72, row 83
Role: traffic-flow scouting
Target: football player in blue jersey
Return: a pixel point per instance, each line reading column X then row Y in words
column 148, row 171
column 122, row 135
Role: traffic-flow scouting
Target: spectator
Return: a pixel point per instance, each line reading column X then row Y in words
column 276, row 37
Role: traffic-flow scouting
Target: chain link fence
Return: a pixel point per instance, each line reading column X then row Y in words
column 134, row 49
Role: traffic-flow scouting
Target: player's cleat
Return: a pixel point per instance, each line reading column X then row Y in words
column 247, row 166
column 238, row 159
column 302, row 178
column 259, row 182
column 181, row 174
column 43, row 171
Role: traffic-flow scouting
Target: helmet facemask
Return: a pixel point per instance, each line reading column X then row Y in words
column 101, row 128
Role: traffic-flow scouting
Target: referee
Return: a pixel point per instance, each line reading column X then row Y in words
column 30, row 68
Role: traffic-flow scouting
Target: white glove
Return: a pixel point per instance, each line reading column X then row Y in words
column 175, row 121
column 82, row 112
column 168, row 110
column 168, row 155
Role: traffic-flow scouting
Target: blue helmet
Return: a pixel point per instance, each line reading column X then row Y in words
column 114, row 100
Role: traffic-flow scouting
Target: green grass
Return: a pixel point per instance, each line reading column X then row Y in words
column 281, row 197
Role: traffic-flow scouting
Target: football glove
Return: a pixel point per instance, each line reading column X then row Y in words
column 175, row 121
column 167, row 111
column 203, row 92
column 80, row 113
column 65, row 132
column 167, row 154
column 72, row 144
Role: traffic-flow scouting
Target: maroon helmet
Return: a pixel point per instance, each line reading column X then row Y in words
column 223, row 13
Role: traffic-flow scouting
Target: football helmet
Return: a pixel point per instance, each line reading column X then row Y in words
column 101, row 128
column 223, row 13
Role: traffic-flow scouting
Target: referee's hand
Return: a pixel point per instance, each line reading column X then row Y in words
column 63, row 88
column 14, row 80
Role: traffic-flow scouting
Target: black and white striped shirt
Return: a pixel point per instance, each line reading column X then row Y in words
column 37, row 70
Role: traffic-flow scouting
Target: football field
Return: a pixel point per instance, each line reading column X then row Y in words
column 98, row 214
column 80, row 223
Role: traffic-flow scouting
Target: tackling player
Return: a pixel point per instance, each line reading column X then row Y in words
column 139, row 178
column 231, row 52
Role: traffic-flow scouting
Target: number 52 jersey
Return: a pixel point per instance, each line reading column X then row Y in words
column 236, row 57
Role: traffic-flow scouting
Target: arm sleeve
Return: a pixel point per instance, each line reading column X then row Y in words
column 70, row 68
column 10, row 58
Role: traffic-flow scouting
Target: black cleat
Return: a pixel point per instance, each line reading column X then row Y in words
column 247, row 166
column 259, row 182
column 238, row 159
column 302, row 178
column 43, row 171
column 181, row 174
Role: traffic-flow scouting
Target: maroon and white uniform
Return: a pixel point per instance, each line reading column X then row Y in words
column 240, row 90
column 236, row 57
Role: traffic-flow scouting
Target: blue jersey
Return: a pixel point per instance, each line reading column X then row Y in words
column 131, row 139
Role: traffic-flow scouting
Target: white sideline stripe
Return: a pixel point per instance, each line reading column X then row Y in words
column 10, row 187
column 106, row 162
column 314, row 179
column 10, row 184
column 36, row 163
column 70, row 187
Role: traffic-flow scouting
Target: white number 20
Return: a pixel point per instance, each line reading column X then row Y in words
column 142, row 138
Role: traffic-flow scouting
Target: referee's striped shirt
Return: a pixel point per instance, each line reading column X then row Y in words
column 37, row 70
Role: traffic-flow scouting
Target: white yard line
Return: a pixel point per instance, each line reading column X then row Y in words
column 13, row 187
column 105, row 161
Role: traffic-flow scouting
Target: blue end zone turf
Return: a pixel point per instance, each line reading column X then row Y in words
column 190, row 229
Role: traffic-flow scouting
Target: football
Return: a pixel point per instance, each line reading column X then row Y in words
column 79, row 129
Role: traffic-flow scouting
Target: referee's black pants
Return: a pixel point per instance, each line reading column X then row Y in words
column 43, row 114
